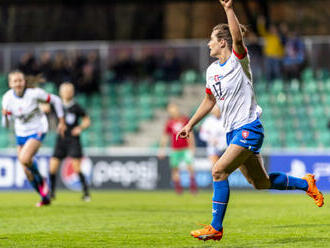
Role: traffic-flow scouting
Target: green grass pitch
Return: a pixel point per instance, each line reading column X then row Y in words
column 161, row 219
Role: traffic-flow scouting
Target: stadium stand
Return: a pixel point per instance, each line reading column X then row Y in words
column 295, row 114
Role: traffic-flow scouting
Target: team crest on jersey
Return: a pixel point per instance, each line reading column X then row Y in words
column 217, row 78
column 245, row 134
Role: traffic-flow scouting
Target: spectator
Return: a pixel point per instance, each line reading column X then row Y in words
column 294, row 60
column 60, row 72
column 88, row 83
column 124, row 68
column 45, row 65
column 273, row 49
column 255, row 50
column 171, row 66
column 28, row 64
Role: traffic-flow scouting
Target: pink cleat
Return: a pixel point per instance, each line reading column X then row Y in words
column 44, row 189
column 44, row 202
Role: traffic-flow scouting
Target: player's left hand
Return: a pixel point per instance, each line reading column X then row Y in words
column 76, row 131
column 226, row 4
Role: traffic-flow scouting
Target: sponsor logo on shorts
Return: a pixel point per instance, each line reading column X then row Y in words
column 245, row 134
column 243, row 141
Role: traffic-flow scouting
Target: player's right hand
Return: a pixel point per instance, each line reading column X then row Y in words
column 184, row 132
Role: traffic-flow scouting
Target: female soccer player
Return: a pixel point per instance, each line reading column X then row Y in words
column 22, row 105
column 182, row 150
column 69, row 144
column 229, row 84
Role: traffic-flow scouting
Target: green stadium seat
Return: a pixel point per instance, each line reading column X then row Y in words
column 125, row 88
column 160, row 88
column 189, row 77
column 143, row 88
column 146, row 113
column 277, row 86
column 175, row 88
column 50, row 87
column 108, row 77
column 307, row 75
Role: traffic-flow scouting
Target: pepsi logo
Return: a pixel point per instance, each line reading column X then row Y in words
column 71, row 179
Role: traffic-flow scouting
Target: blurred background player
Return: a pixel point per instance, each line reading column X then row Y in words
column 182, row 149
column 213, row 133
column 69, row 145
column 21, row 104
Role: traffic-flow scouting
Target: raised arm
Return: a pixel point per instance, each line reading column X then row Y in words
column 204, row 108
column 234, row 27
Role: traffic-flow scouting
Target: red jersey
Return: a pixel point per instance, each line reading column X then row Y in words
column 172, row 128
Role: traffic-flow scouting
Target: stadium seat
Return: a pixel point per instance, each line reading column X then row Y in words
column 175, row 88
column 190, row 77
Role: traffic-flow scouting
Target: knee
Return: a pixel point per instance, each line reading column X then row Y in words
column 24, row 160
column 219, row 174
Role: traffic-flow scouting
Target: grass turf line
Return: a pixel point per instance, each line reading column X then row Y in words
column 161, row 219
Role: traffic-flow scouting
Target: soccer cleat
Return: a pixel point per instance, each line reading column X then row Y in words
column 206, row 233
column 313, row 191
column 86, row 198
column 44, row 202
column 43, row 189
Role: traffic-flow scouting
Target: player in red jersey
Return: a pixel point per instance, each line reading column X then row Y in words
column 182, row 149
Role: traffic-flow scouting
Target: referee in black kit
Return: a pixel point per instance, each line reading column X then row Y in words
column 69, row 145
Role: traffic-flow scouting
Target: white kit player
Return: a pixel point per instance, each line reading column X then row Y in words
column 213, row 133
column 21, row 105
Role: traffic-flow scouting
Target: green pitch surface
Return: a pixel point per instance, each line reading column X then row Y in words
column 161, row 219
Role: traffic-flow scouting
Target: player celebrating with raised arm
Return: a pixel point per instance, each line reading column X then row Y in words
column 69, row 144
column 229, row 84
column 22, row 105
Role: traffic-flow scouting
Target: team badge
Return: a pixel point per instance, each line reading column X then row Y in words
column 245, row 134
column 217, row 78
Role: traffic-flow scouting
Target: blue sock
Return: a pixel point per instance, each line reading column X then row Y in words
column 220, row 201
column 282, row 181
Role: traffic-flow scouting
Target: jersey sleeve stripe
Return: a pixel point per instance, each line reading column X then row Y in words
column 48, row 98
column 240, row 56
column 208, row 91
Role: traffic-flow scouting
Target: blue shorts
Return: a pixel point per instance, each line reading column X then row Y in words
column 250, row 136
column 21, row 140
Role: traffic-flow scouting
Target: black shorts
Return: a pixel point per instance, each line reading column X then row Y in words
column 67, row 147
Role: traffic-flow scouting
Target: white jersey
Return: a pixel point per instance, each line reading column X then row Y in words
column 25, row 111
column 213, row 133
column 231, row 85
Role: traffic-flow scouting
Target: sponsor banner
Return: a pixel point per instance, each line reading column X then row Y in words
column 130, row 172
column 114, row 172
column 299, row 165
column 12, row 175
